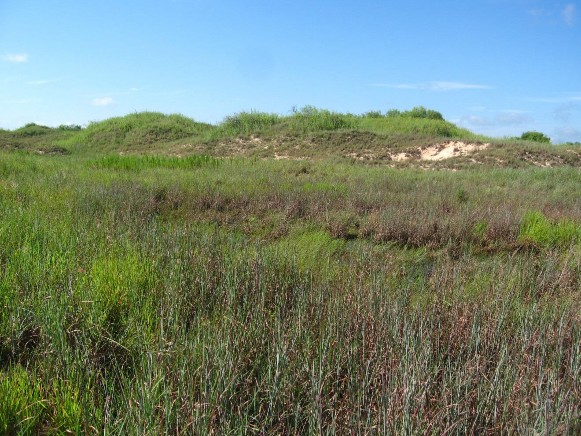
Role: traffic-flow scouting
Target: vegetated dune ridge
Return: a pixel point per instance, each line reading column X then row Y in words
column 424, row 153
column 397, row 141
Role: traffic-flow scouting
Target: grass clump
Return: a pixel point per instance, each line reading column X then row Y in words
column 246, row 123
column 310, row 249
column 22, row 406
column 311, row 119
column 302, row 121
column 539, row 230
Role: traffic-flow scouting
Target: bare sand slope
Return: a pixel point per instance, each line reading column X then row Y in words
column 449, row 150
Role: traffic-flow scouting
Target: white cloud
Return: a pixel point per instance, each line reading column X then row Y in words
column 567, row 134
column 512, row 118
column 539, row 12
column 571, row 98
column 475, row 120
column 15, row 58
column 569, row 13
column 39, row 82
column 103, row 101
column 433, row 86
column 565, row 111
column 505, row 118
column 23, row 101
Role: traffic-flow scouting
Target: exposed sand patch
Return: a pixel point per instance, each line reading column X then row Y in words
column 287, row 157
column 364, row 155
column 399, row 157
column 431, row 153
column 449, row 150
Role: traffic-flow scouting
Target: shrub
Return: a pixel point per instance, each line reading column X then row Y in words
column 416, row 112
column 536, row 137
column 422, row 112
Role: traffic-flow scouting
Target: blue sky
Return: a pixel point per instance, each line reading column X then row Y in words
column 498, row 67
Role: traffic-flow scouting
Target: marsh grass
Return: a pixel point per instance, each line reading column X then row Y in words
column 537, row 229
column 140, row 162
column 286, row 297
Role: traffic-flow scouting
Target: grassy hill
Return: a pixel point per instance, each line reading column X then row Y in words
column 288, row 274
column 396, row 138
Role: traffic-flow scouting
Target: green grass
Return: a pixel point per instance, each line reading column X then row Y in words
column 137, row 162
column 146, row 292
column 139, row 296
column 140, row 129
column 537, row 229
column 310, row 119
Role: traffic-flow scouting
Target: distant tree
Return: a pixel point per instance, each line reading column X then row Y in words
column 392, row 113
column 536, row 137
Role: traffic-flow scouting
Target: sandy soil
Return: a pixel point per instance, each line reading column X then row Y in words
column 450, row 149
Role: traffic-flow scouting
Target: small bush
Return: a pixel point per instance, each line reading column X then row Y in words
column 416, row 112
column 536, row 137
column 422, row 112
column 462, row 195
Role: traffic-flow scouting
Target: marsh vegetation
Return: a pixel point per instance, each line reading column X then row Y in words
column 148, row 287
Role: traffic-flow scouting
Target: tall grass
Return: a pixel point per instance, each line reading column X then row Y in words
column 284, row 297
column 306, row 120
column 139, row 162
column 246, row 123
